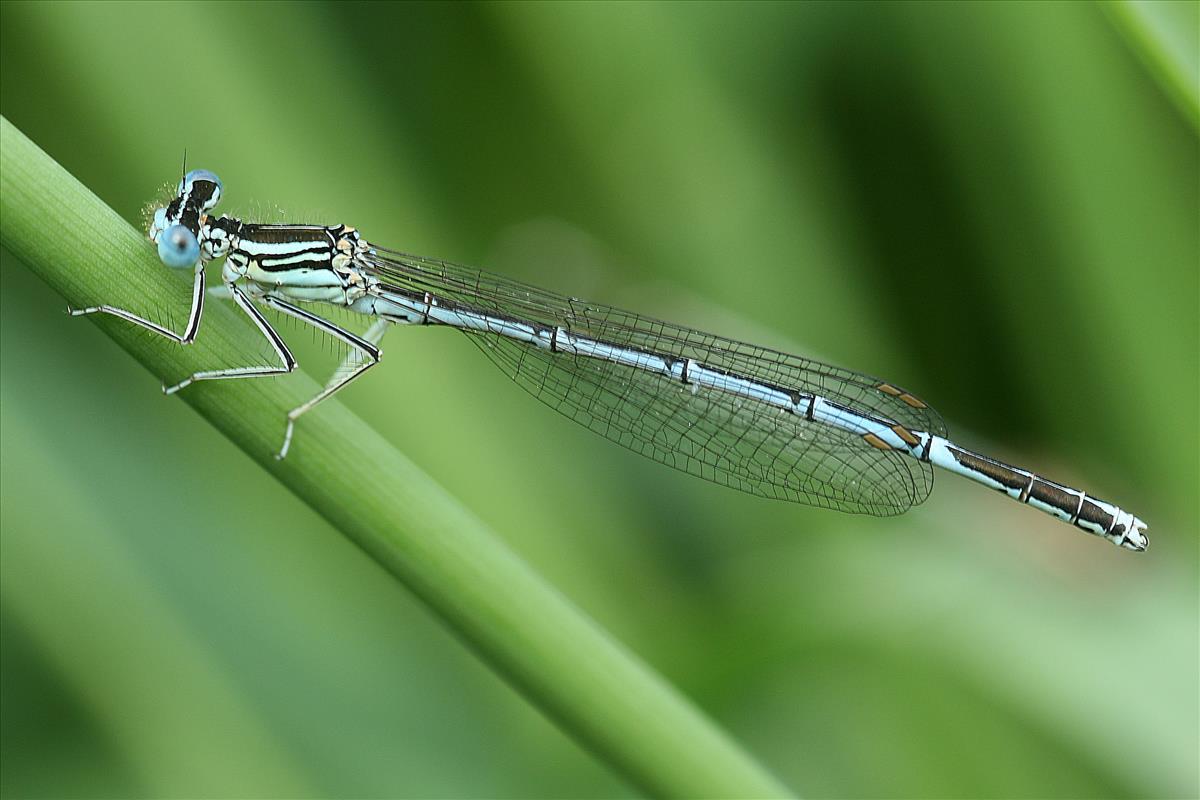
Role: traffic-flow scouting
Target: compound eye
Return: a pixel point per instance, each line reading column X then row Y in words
column 203, row 186
column 199, row 175
column 178, row 248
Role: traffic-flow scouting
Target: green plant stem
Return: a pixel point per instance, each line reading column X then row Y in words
column 594, row 689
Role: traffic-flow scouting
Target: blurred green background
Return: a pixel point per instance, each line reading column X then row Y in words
column 995, row 205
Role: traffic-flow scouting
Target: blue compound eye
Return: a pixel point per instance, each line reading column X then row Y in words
column 202, row 186
column 199, row 175
column 178, row 248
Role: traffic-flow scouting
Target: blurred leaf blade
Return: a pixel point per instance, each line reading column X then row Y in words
column 1166, row 37
column 211, row 720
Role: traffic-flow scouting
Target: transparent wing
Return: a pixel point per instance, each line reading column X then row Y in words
column 719, row 436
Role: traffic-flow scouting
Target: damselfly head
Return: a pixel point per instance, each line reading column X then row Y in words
column 175, row 228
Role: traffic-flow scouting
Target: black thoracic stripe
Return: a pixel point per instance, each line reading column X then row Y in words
column 1054, row 496
column 281, row 262
column 280, row 234
column 1005, row 476
column 308, row 242
column 301, row 248
column 1094, row 514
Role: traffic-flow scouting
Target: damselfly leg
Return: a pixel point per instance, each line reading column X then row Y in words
column 365, row 349
column 287, row 361
column 189, row 330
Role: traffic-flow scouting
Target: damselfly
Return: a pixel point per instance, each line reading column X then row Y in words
column 758, row 420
